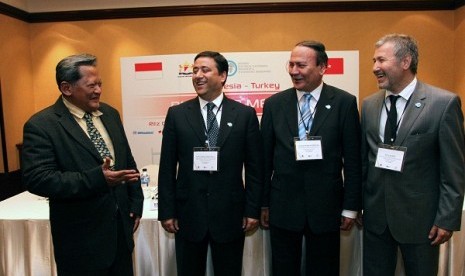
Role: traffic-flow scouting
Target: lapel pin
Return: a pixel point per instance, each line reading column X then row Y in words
column 418, row 105
column 328, row 106
column 229, row 124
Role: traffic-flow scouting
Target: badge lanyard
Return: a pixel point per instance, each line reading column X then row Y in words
column 306, row 126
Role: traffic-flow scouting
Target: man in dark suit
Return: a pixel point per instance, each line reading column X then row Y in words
column 207, row 141
column 311, row 135
column 413, row 168
column 95, row 196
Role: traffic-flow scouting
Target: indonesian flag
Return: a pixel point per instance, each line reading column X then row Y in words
column 148, row 70
column 335, row 66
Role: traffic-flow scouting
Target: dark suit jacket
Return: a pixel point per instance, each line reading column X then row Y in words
column 204, row 201
column 430, row 188
column 313, row 191
column 60, row 162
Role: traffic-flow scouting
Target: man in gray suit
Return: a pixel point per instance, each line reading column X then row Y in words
column 413, row 164
column 75, row 152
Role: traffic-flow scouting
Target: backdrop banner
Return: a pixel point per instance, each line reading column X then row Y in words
column 151, row 84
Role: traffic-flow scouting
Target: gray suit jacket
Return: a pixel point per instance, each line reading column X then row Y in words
column 430, row 189
column 60, row 162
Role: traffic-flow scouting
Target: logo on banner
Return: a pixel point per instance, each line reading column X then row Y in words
column 140, row 132
column 232, row 68
column 185, row 69
column 148, row 70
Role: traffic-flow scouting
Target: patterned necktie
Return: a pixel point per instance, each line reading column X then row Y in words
column 212, row 125
column 305, row 116
column 390, row 130
column 96, row 138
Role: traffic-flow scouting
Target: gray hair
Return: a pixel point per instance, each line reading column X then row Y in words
column 404, row 45
column 68, row 68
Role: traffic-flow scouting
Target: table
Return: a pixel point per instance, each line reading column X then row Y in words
column 26, row 245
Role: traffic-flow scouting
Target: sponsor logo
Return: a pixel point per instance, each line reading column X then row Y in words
column 185, row 69
column 138, row 132
column 232, row 68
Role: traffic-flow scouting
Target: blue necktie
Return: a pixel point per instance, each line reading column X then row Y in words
column 212, row 125
column 96, row 137
column 306, row 116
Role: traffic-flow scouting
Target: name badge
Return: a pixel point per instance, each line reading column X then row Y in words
column 206, row 159
column 390, row 157
column 309, row 149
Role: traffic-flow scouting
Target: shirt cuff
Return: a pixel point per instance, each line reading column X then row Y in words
column 349, row 214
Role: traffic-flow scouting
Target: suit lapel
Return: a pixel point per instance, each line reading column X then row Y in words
column 323, row 108
column 289, row 108
column 375, row 112
column 415, row 106
column 228, row 118
column 111, row 125
column 70, row 126
column 195, row 120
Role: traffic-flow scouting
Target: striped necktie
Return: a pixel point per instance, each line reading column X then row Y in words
column 305, row 116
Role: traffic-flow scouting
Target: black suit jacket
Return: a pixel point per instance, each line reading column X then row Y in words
column 204, row 201
column 312, row 191
column 60, row 162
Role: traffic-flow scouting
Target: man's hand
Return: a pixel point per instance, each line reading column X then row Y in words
column 115, row 178
column 249, row 224
column 265, row 218
column 346, row 223
column 170, row 225
column 136, row 221
column 439, row 235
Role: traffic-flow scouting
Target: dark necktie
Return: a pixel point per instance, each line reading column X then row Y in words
column 96, row 137
column 212, row 125
column 390, row 130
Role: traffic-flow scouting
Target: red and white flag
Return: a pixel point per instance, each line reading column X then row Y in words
column 148, row 70
column 335, row 66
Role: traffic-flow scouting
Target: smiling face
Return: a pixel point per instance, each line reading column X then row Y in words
column 207, row 81
column 392, row 73
column 85, row 93
column 305, row 74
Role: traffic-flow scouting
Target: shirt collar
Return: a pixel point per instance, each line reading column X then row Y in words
column 407, row 92
column 76, row 111
column 315, row 93
column 216, row 101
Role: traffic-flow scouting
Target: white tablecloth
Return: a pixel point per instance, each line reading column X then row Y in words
column 26, row 245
